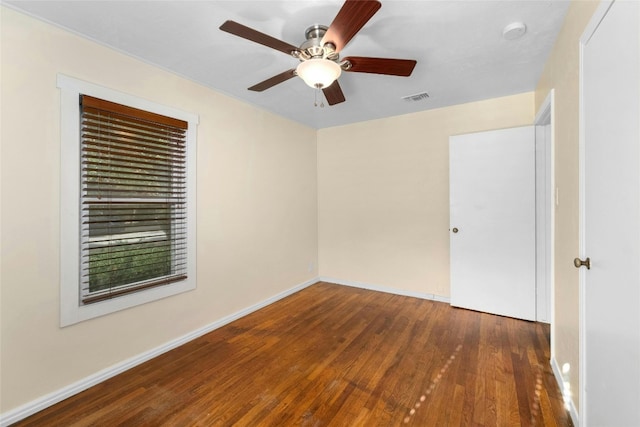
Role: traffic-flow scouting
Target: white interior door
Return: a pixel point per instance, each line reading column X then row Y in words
column 492, row 221
column 610, row 289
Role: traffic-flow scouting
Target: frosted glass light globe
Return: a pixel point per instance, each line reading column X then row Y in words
column 318, row 73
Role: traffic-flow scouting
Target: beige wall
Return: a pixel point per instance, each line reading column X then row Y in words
column 383, row 193
column 257, row 211
column 562, row 74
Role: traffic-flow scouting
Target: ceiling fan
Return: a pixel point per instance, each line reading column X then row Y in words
column 320, row 63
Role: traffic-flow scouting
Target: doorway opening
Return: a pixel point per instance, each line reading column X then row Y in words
column 545, row 208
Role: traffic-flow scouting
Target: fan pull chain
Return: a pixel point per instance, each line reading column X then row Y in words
column 315, row 101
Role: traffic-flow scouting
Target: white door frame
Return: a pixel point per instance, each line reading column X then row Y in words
column 545, row 116
column 590, row 29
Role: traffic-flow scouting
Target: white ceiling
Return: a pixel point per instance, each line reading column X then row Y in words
column 461, row 54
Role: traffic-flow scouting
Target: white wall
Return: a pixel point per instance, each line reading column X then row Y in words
column 257, row 211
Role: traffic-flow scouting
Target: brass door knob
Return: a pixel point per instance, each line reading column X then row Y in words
column 454, row 229
column 579, row 263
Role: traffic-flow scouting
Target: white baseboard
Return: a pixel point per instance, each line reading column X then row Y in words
column 385, row 289
column 566, row 394
column 50, row 399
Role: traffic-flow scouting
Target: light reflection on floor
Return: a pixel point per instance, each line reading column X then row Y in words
column 432, row 386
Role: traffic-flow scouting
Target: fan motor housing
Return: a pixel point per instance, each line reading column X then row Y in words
column 313, row 48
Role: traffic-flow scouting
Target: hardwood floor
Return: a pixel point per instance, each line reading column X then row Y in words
column 332, row 355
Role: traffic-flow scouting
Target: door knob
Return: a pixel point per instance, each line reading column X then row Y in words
column 454, row 229
column 579, row 263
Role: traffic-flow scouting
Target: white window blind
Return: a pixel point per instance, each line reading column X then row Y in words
column 134, row 200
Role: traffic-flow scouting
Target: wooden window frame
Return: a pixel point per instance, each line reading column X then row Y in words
column 72, row 308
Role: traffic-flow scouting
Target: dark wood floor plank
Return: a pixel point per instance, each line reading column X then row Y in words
column 334, row 355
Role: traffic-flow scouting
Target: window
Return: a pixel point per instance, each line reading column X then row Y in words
column 133, row 208
column 127, row 201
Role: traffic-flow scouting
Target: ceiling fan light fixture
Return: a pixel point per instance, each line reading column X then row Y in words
column 318, row 73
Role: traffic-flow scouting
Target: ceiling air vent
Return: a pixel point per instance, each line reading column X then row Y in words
column 416, row 97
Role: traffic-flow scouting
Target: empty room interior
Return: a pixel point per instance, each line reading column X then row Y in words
column 320, row 213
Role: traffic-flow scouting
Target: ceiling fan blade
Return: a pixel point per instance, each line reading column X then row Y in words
column 333, row 94
column 258, row 37
column 389, row 66
column 349, row 20
column 277, row 79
